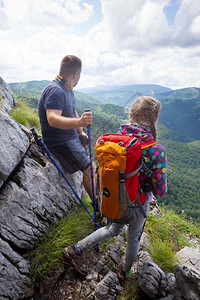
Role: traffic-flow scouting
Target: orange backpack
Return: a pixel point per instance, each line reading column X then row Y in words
column 119, row 160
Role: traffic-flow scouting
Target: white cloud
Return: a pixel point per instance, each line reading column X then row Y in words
column 132, row 44
column 137, row 24
column 186, row 30
column 45, row 13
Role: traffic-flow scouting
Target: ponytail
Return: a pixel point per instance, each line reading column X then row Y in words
column 144, row 111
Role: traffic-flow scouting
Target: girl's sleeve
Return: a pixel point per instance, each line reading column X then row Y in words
column 159, row 176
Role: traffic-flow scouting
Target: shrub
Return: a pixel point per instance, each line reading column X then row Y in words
column 26, row 116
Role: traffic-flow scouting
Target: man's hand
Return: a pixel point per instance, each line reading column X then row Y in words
column 83, row 138
column 86, row 119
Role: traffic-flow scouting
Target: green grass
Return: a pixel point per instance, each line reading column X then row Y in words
column 26, row 116
column 182, row 224
column 167, row 235
column 47, row 253
column 130, row 289
column 163, row 254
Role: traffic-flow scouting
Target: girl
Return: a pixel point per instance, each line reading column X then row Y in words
column 143, row 115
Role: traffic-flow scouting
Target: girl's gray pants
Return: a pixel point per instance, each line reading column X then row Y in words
column 135, row 221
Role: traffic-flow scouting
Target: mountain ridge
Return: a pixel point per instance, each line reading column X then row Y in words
column 180, row 108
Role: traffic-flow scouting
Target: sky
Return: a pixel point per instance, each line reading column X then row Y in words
column 120, row 42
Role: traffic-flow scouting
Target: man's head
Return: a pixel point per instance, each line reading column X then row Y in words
column 70, row 69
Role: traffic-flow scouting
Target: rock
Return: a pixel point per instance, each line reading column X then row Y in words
column 44, row 198
column 114, row 251
column 154, row 209
column 15, row 274
column 188, row 281
column 7, row 99
column 13, row 145
column 108, row 287
column 189, row 257
column 187, row 274
column 170, row 297
column 34, row 197
column 144, row 242
column 92, row 276
column 172, row 287
column 151, row 279
column 100, row 266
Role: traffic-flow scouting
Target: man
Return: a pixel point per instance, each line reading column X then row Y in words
column 62, row 128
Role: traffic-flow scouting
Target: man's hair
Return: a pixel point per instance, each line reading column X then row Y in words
column 69, row 65
column 143, row 111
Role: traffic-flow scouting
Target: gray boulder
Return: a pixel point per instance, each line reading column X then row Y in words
column 7, row 99
column 35, row 196
column 108, row 287
column 172, row 287
column 187, row 274
column 188, row 281
column 151, row 279
column 14, row 143
column 189, row 257
column 14, row 274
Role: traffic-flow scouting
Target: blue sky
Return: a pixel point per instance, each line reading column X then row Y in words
column 171, row 9
column 120, row 42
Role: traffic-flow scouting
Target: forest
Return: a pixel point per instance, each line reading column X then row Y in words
column 183, row 157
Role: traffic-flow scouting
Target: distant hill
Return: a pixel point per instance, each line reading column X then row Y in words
column 192, row 93
column 181, row 113
column 180, row 108
column 123, row 95
column 29, row 91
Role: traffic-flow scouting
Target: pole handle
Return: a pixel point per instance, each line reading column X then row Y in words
column 87, row 110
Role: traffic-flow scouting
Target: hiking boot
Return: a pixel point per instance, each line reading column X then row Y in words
column 74, row 259
column 123, row 275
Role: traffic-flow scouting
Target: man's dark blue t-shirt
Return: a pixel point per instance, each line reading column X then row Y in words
column 56, row 96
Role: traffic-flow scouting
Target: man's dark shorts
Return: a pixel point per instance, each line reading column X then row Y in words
column 72, row 155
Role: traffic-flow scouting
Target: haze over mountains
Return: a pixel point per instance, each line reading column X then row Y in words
column 123, row 95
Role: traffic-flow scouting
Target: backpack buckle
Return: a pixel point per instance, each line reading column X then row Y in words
column 121, row 143
column 101, row 142
column 122, row 177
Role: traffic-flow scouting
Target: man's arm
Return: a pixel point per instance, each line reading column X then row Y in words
column 55, row 119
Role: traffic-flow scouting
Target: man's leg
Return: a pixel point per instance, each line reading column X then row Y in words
column 87, row 181
column 73, row 157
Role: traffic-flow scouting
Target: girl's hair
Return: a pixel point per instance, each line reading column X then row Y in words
column 144, row 111
column 69, row 65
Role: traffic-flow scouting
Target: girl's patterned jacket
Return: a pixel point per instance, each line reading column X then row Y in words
column 155, row 158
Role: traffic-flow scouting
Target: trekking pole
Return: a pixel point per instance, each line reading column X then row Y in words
column 91, row 168
column 40, row 143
